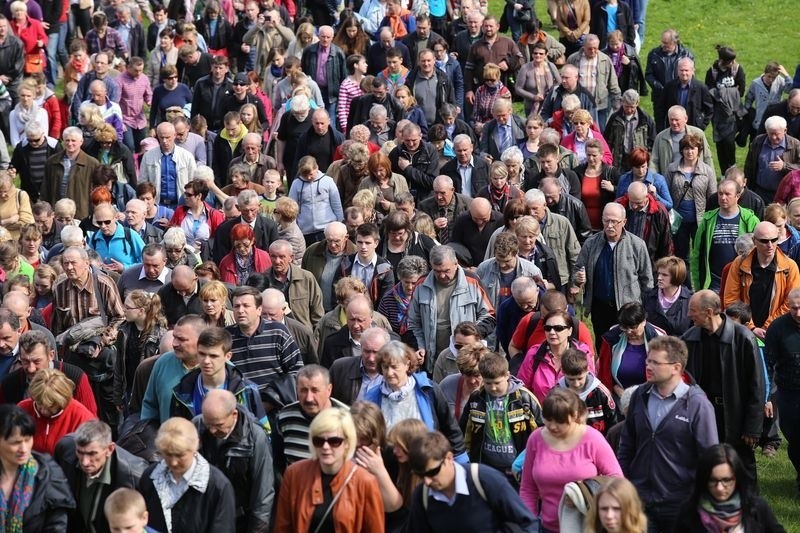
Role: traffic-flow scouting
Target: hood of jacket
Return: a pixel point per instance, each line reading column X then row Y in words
column 591, row 384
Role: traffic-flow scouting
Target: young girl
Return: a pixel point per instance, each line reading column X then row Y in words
column 249, row 115
column 533, row 128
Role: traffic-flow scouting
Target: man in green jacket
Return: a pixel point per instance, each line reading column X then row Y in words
column 716, row 234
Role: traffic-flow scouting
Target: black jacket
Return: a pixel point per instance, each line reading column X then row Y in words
column 412, row 43
column 421, row 172
column 487, row 145
column 12, row 61
column 336, row 68
column 546, row 261
column 599, row 22
column 676, row 320
column 662, row 68
column 210, row 512
column 417, row 244
column 126, row 469
column 28, row 183
column 202, row 98
column 266, row 232
column 346, row 378
column 119, row 153
column 231, row 103
column 573, row 209
column 174, row 305
column 376, row 58
column 445, row 93
column 221, row 39
column 52, row 500
column 360, row 106
column 615, row 135
column 480, row 174
column 699, row 104
column 781, row 109
column 632, row 75
column 337, row 346
column 749, row 199
column 742, row 381
column 245, row 457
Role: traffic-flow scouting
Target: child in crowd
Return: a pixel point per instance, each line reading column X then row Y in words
column 602, row 411
column 125, row 510
column 499, row 417
column 272, row 184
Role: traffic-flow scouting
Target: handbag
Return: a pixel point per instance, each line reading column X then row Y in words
column 34, row 62
column 675, row 218
column 523, row 15
column 87, row 328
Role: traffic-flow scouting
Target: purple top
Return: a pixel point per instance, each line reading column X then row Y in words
column 631, row 367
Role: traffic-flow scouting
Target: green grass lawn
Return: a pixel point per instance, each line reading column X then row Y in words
column 761, row 31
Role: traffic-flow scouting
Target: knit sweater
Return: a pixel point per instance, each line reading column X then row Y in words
column 49, row 430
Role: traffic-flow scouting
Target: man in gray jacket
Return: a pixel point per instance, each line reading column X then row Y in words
column 598, row 77
column 613, row 269
column 667, row 426
column 449, row 295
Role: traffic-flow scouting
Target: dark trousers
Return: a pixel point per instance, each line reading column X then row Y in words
column 765, row 194
column 789, row 407
column 682, row 240
column 83, row 20
column 661, row 517
column 604, row 315
column 726, row 153
column 769, row 433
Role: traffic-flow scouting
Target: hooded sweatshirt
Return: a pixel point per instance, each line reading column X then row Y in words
column 602, row 411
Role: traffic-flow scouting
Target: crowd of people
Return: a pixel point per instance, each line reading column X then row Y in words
column 271, row 265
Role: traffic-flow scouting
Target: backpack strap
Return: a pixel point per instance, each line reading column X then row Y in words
column 128, row 239
column 476, row 479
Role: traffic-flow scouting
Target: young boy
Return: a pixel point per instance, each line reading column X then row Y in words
column 126, row 512
column 272, row 183
column 499, row 417
column 602, row 412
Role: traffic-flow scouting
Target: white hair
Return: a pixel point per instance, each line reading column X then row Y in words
column 775, row 123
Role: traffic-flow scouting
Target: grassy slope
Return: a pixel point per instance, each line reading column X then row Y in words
column 702, row 24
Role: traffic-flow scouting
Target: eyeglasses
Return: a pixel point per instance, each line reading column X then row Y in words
column 726, row 482
column 650, row 362
column 433, row 472
column 333, row 442
column 611, row 222
column 768, row 241
column 556, row 327
column 104, row 222
column 40, row 140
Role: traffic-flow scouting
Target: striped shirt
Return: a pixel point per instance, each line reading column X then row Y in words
column 268, row 353
column 73, row 303
column 291, row 431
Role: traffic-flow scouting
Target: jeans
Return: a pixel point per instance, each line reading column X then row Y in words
column 789, row 408
column 56, row 53
column 513, row 24
column 602, row 117
column 132, row 137
column 640, row 20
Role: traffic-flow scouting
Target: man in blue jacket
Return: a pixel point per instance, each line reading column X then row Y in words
column 118, row 245
column 668, row 424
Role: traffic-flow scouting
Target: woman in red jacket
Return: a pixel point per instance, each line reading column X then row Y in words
column 53, row 408
column 244, row 258
column 31, row 33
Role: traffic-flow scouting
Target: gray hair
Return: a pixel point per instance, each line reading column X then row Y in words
column 93, row 431
column 300, row 104
column 34, row 129
column 441, row 253
column 229, row 203
column 72, row 131
column 535, row 197
column 242, row 169
column 444, row 180
column 625, row 399
column 512, row 154
column 462, row 137
column 72, row 234
column 630, row 97
column 570, row 102
column 411, row 265
column 203, row 172
column 377, row 111
column 136, row 204
column 273, row 294
column 335, row 227
column 246, row 197
column 775, row 123
column 744, row 243
column 447, row 110
column 522, row 285
column 174, row 238
column 549, row 136
column 375, row 333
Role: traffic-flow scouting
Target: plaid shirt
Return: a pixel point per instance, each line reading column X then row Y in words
column 133, row 94
column 73, row 303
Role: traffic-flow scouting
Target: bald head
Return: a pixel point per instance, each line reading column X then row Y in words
column 18, row 303
column 765, row 230
column 637, row 192
column 219, row 412
column 481, row 211
column 613, row 210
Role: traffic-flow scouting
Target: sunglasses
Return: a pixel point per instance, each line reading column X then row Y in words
column 556, row 327
column 768, row 241
column 433, row 472
column 190, row 195
column 104, row 222
column 333, row 442
column 241, row 83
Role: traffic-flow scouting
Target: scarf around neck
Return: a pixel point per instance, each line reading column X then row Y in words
column 399, row 395
column 720, row 517
column 12, row 511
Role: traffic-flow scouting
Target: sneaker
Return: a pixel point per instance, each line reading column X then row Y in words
column 769, row 451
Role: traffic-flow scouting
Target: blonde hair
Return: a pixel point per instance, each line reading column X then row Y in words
column 177, row 436
column 334, row 420
column 633, row 518
column 286, row 208
column 364, row 198
column 51, row 389
column 122, row 501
